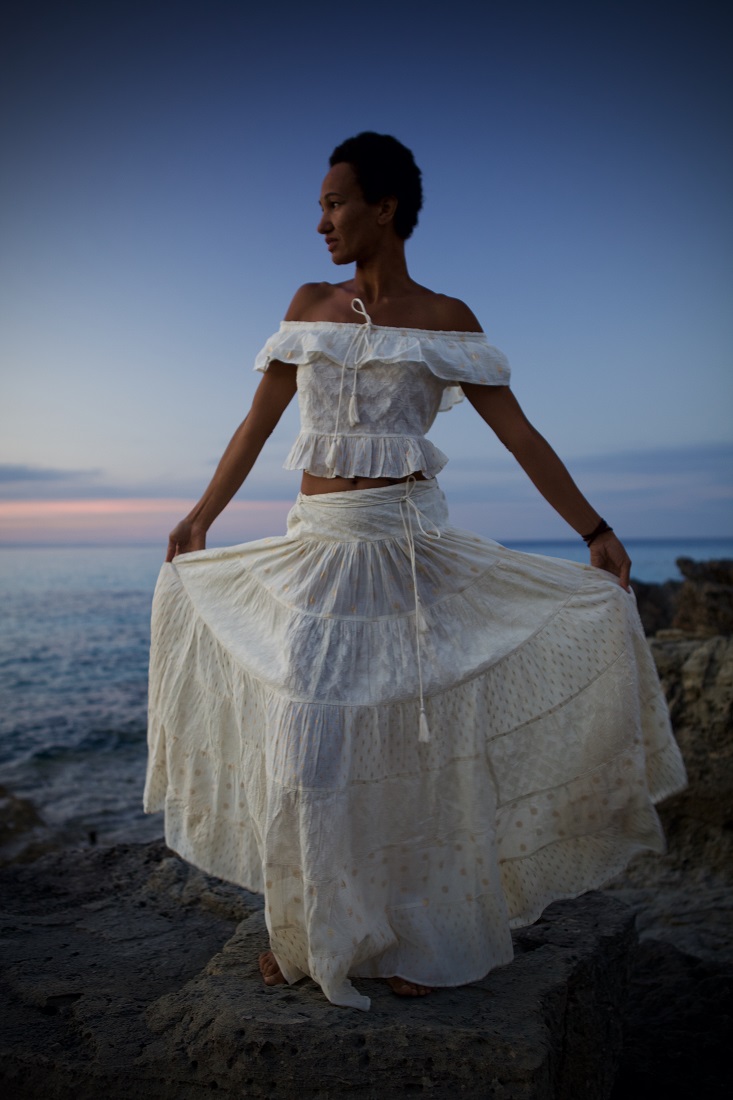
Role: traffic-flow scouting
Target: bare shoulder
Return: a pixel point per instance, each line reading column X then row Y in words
column 453, row 315
column 310, row 301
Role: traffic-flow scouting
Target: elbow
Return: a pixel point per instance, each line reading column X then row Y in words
column 509, row 443
column 521, row 441
column 258, row 425
column 257, row 435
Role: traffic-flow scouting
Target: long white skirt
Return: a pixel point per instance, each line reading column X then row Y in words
column 285, row 743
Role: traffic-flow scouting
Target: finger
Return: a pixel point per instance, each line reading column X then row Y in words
column 607, row 564
column 625, row 575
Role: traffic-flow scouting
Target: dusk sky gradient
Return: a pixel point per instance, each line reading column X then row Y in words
column 161, row 169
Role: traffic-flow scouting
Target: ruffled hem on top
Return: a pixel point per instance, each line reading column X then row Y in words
column 365, row 455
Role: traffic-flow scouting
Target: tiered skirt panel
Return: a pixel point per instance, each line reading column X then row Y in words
column 285, row 745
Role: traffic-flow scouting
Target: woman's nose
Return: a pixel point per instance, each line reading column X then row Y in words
column 324, row 224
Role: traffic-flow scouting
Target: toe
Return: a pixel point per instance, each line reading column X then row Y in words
column 403, row 988
column 269, row 969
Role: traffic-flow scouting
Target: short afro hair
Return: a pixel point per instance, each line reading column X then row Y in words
column 384, row 168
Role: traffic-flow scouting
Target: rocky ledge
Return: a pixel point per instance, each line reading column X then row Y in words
column 129, row 973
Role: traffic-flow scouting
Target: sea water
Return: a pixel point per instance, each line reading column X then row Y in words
column 74, row 638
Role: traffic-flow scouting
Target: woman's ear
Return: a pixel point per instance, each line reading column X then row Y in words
column 387, row 208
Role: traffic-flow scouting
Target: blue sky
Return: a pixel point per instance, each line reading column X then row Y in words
column 162, row 164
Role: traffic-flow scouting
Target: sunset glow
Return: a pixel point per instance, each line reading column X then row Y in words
column 127, row 520
column 165, row 210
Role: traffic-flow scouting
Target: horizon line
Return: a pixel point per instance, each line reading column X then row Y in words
column 141, row 544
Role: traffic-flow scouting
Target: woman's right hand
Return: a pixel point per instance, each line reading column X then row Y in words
column 184, row 538
column 608, row 553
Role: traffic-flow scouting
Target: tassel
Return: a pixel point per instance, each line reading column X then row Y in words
column 353, row 411
column 424, row 734
column 331, row 455
column 422, row 622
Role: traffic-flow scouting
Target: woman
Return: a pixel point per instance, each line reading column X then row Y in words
column 409, row 738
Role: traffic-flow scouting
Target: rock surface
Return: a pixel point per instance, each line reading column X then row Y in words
column 678, row 1026
column 24, row 835
column 705, row 602
column 129, row 973
column 697, row 676
column 657, row 604
column 701, row 605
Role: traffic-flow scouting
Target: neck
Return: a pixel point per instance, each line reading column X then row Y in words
column 381, row 277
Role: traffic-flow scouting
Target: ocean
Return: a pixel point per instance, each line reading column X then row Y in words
column 74, row 637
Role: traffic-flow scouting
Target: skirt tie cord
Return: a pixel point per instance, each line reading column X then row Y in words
column 407, row 508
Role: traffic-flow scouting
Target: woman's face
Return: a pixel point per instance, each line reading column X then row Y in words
column 349, row 223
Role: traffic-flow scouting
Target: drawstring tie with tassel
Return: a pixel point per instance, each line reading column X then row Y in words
column 407, row 508
column 362, row 334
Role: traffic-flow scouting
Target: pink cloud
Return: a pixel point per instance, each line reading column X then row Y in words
column 130, row 520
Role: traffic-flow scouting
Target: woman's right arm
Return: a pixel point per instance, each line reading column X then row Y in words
column 273, row 395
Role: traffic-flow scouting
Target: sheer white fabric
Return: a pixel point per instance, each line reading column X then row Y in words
column 285, row 743
column 368, row 394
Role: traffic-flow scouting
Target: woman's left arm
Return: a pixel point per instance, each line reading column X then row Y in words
column 498, row 406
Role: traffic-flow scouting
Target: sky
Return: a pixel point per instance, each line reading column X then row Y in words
column 162, row 164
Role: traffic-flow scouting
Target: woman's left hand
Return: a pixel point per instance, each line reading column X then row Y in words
column 607, row 552
column 184, row 538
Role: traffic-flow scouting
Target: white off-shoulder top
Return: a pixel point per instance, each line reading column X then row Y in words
column 368, row 393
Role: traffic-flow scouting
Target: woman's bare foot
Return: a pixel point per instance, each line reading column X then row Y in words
column 403, row 988
column 270, row 971
column 273, row 975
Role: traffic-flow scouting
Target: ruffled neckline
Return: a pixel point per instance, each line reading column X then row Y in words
column 451, row 356
column 400, row 330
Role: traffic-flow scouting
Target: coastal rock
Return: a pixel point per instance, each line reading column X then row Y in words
column 697, row 677
column 129, row 973
column 677, row 1027
column 686, row 897
column 705, row 600
column 679, row 1017
column 657, row 604
column 23, row 833
column 712, row 571
column 700, row 605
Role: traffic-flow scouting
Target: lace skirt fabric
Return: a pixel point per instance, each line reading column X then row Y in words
column 285, row 745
